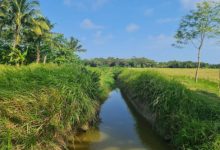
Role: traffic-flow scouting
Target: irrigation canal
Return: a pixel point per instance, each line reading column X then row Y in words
column 121, row 128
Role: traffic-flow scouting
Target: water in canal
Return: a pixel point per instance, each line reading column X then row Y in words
column 121, row 128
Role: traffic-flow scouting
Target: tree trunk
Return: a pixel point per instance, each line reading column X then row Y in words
column 1, row 28
column 45, row 59
column 198, row 65
column 16, row 38
column 219, row 82
column 199, row 55
column 38, row 54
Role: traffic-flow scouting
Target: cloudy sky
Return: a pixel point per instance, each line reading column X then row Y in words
column 126, row 28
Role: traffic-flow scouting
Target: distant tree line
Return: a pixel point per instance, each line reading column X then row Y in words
column 26, row 36
column 143, row 63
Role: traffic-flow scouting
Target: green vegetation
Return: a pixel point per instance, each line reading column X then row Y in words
column 208, row 82
column 26, row 36
column 40, row 106
column 197, row 26
column 107, row 80
column 189, row 119
column 142, row 63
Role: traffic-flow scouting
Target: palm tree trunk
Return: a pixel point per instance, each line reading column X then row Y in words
column 198, row 65
column 45, row 59
column 16, row 38
column 38, row 53
column 16, row 41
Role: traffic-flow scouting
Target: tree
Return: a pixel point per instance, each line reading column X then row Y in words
column 197, row 26
column 4, row 19
column 41, row 31
column 63, row 49
column 75, row 45
column 25, row 35
column 21, row 13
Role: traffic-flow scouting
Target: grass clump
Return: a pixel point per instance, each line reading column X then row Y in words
column 107, row 79
column 189, row 119
column 39, row 105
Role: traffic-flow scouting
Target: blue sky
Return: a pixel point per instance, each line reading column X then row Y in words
column 126, row 28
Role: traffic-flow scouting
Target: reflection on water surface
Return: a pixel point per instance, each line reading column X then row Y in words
column 121, row 128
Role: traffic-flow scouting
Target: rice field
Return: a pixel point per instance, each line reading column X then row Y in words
column 208, row 78
column 206, row 74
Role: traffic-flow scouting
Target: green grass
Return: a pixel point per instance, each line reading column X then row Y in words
column 184, row 113
column 41, row 105
column 208, row 78
column 205, row 74
column 107, row 80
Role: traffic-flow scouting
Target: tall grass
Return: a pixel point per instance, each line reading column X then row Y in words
column 40, row 105
column 107, row 80
column 190, row 120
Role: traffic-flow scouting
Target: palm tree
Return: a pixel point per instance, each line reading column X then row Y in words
column 21, row 14
column 75, row 45
column 4, row 19
column 41, row 28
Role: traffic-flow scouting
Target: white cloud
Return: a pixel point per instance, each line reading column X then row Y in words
column 99, row 3
column 88, row 24
column 188, row 4
column 100, row 38
column 132, row 27
column 86, row 4
column 148, row 12
column 67, row 2
column 161, row 37
column 166, row 20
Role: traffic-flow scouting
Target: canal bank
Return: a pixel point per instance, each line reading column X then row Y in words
column 187, row 119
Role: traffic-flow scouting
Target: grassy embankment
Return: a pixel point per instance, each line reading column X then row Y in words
column 107, row 80
column 41, row 106
column 185, row 113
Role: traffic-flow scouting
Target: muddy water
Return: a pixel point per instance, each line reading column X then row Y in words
column 121, row 128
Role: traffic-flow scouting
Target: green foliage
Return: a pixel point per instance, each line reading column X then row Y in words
column 63, row 49
column 107, row 80
column 39, row 105
column 26, row 35
column 190, row 120
column 197, row 26
column 142, row 63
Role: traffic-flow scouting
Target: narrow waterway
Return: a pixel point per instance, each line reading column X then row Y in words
column 121, row 128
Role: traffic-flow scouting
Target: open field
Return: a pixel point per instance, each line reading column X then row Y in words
column 207, row 74
column 208, row 78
